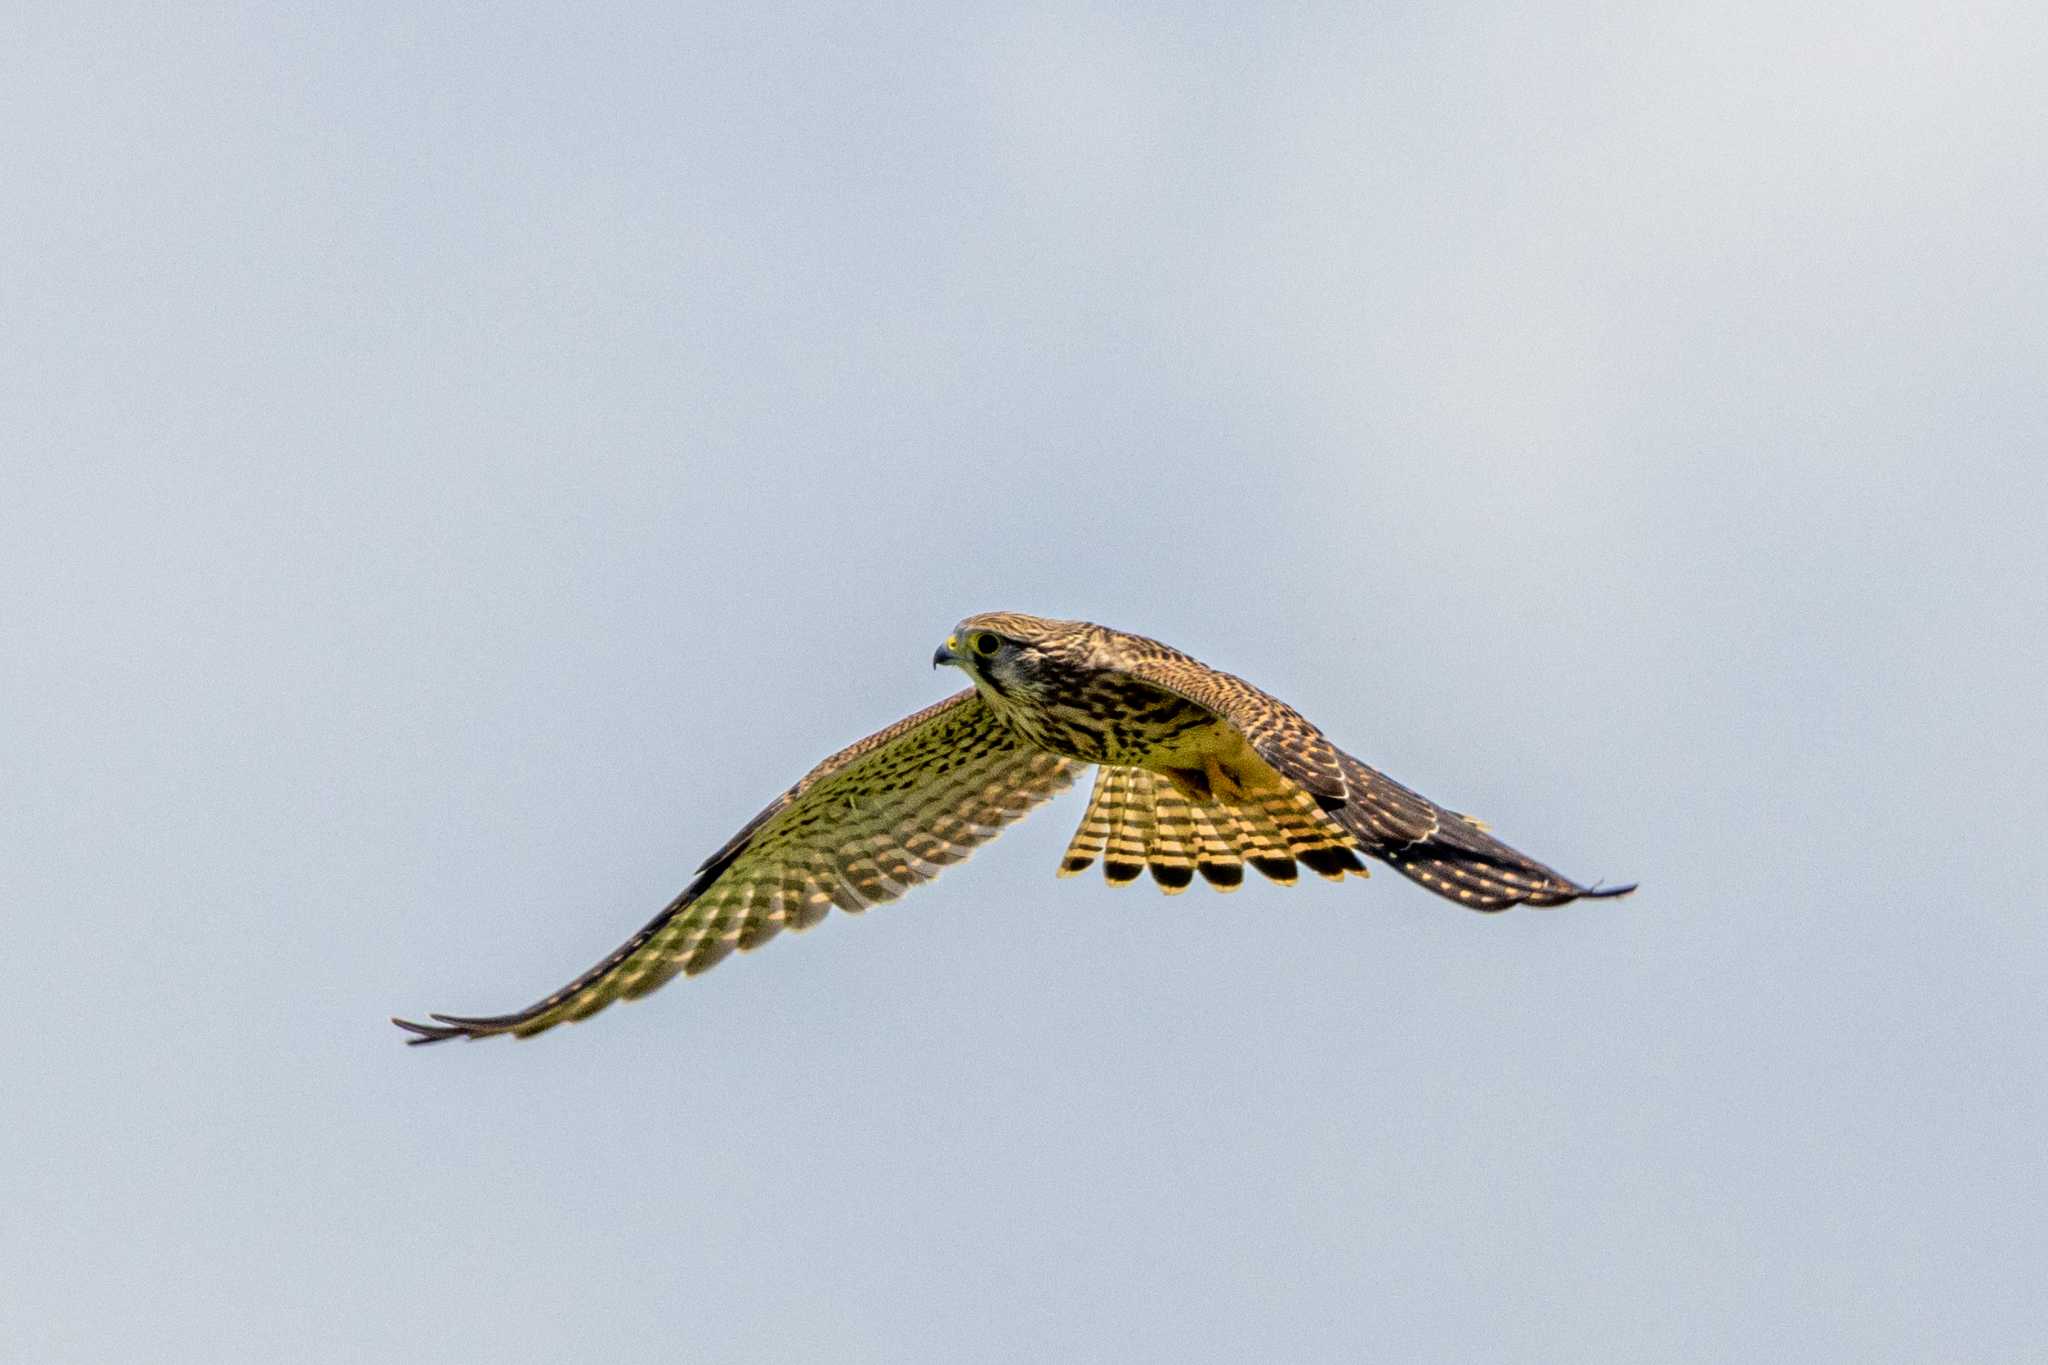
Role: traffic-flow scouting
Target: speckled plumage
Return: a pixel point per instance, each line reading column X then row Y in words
column 1200, row 773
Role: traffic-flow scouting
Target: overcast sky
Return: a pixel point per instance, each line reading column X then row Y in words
column 458, row 465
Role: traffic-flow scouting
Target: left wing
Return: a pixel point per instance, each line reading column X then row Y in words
column 861, row 828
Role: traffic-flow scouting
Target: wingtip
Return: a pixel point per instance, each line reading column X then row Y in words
column 447, row 1026
column 1599, row 892
column 427, row 1033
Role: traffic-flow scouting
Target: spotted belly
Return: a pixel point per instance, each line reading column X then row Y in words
column 1126, row 724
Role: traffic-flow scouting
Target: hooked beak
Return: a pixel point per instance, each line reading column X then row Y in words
column 944, row 654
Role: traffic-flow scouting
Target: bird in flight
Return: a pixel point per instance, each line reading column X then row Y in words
column 1198, row 773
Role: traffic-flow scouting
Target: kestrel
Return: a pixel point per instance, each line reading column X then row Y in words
column 1197, row 772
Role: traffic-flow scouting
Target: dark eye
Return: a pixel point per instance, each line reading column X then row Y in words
column 987, row 643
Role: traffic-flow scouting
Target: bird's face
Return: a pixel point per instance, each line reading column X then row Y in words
column 1008, row 654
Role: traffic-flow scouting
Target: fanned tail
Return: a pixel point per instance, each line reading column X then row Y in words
column 1138, row 821
column 1116, row 829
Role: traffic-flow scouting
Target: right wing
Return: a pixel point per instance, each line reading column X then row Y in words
column 861, row 828
column 1449, row 853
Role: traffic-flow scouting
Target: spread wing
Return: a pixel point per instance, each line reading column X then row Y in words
column 861, row 828
column 1449, row 853
column 1276, row 731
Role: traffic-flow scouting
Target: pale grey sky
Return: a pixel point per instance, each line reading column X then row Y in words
column 459, row 464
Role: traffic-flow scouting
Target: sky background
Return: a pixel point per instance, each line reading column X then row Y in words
column 459, row 463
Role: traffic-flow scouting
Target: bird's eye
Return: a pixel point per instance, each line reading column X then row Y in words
column 986, row 643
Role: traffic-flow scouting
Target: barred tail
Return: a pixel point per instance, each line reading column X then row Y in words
column 1138, row 821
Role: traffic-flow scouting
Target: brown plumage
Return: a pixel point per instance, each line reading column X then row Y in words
column 1199, row 774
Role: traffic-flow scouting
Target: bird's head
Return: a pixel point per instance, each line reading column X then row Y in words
column 1007, row 653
